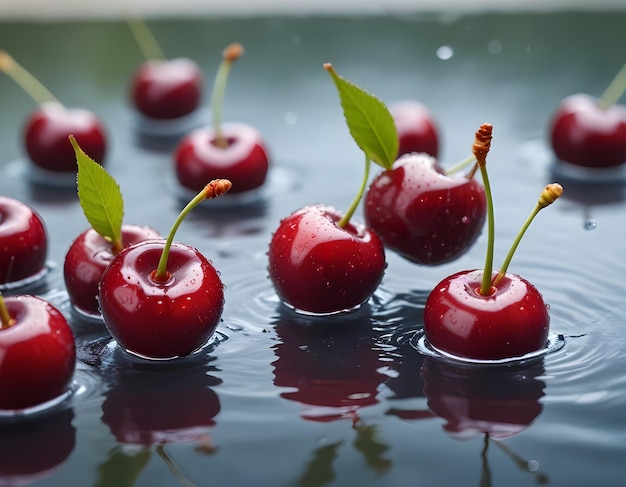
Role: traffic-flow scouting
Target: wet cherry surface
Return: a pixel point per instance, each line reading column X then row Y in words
column 297, row 400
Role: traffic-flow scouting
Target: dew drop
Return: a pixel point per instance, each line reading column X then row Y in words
column 465, row 220
column 590, row 224
column 445, row 52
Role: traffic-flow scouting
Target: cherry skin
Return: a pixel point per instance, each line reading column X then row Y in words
column 510, row 322
column 167, row 89
column 318, row 267
column 86, row 260
column 422, row 214
column 23, row 242
column 37, row 353
column 161, row 319
column 417, row 130
column 244, row 160
column 46, row 137
column 584, row 134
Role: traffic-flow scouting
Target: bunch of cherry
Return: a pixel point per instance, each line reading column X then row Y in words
column 162, row 300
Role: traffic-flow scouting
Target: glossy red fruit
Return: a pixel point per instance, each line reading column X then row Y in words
column 511, row 322
column 161, row 319
column 86, row 260
column 423, row 214
column 584, row 134
column 167, row 89
column 318, row 267
column 37, row 354
column 476, row 401
column 23, row 243
column 244, row 161
column 46, row 137
column 416, row 127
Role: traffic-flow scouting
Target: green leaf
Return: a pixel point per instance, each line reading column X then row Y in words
column 369, row 121
column 100, row 197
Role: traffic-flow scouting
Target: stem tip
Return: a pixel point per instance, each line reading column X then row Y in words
column 232, row 52
column 550, row 194
column 217, row 187
column 482, row 143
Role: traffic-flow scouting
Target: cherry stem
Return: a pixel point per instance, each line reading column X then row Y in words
column 482, row 144
column 146, row 41
column 345, row 219
column 171, row 464
column 459, row 166
column 521, row 463
column 6, row 320
column 232, row 52
column 215, row 188
column 614, row 91
column 31, row 85
column 548, row 196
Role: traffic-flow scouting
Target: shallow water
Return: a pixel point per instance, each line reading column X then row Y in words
column 281, row 399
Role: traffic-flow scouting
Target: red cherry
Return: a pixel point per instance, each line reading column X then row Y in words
column 37, row 352
column 243, row 160
column 511, row 321
column 86, row 260
column 23, row 243
column 421, row 213
column 161, row 319
column 500, row 403
column 417, row 130
column 318, row 267
column 585, row 134
column 166, row 89
column 46, row 137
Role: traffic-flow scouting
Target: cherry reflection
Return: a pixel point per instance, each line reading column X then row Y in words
column 332, row 367
column 144, row 420
column 34, row 449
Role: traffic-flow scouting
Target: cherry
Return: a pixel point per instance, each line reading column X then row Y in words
column 92, row 251
column 232, row 151
column 163, row 88
column 37, row 353
column 86, row 260
column 320, row 262
column 23, row 244
column 161, row 299
column 47, row 128
column 417, row 130
column 590, row 132
column 486, row 315
column 423, row 214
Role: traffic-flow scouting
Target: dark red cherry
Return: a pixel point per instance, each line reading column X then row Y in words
column 167, row 89
column 416, row 127
column 318, row 267
column 23, row 243
column 423, row 214
column 86, row 260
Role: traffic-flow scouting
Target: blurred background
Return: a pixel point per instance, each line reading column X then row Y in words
column 54, row 9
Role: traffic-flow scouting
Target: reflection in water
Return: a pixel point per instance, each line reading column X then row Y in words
column 333, row 367
column 499, row 402
column 34, row 449
column 140, row 417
